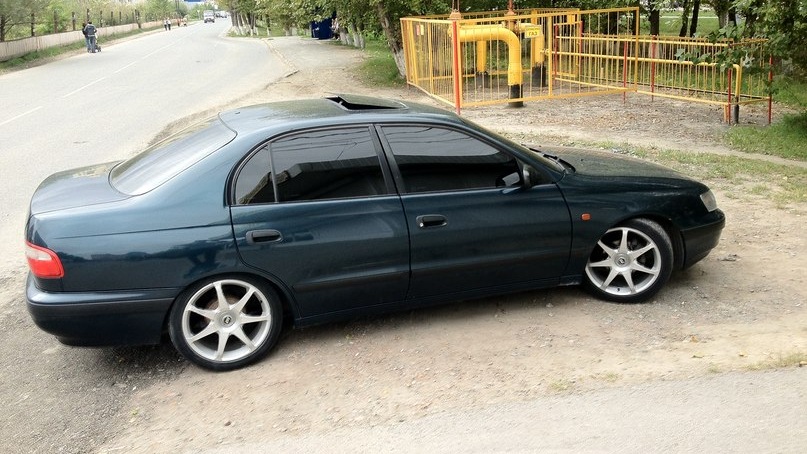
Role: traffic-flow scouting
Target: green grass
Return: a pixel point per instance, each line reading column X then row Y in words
column 786, row 138
column 378, row 68
column 790, row 91
column 670, row 23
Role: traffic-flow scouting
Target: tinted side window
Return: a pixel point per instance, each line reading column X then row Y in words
column 254, row 184
column 315, row 165
column 439, row 159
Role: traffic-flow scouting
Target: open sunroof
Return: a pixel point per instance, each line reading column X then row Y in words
column 359, row 102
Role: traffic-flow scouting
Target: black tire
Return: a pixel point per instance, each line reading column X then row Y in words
column 225, row 322
column 630, row 263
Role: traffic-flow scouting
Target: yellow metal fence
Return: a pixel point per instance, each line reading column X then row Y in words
column 529, row 55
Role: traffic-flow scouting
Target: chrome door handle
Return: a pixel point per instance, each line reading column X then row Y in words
column 264, row 236
column 431, row 220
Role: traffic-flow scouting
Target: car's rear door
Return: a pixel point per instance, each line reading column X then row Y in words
column 324, row 221
column 474, row 225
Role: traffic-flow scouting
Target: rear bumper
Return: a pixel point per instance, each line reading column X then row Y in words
column 101, row 318
column 699, row 241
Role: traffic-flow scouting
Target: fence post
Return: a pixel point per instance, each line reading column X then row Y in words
column 624, row 72
column 653, row 55
column 770, row 94
column 455, row 46
column 727, row 112
column 738, row 81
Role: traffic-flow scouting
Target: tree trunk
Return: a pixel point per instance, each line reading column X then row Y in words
column 355, row 37
column 394, row 39
column 344, row 36
column 360, row 30
column 693, row 27
column 655, row 17
column 684, row 19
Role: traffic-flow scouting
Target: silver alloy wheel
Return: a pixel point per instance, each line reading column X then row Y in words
column 226, row 320
column 625, row 262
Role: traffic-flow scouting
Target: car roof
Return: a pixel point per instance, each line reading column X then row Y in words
column 330, row 110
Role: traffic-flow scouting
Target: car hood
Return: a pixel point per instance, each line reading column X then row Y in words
column 611, row 165
column 73, row 188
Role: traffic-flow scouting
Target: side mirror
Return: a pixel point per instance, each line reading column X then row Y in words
column 528, row 176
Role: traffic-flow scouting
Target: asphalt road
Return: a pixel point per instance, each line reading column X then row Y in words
column 762, row 412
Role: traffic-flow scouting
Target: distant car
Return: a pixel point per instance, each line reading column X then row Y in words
column 209, row 16
column 317, row 210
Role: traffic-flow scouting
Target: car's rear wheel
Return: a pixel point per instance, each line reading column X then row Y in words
column 630, row 263
column 226, row 323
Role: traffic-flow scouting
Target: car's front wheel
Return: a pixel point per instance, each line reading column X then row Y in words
column 226, row 323
column 630, row 262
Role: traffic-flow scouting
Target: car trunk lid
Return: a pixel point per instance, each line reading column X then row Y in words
column 77, row 187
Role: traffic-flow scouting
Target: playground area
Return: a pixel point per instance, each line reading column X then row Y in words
column 513, row 57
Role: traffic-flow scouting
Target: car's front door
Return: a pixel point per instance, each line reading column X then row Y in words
column 324, row 220
column 473, row 223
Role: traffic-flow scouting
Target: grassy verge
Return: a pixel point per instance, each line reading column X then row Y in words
column 379, row 67
column 786, row 138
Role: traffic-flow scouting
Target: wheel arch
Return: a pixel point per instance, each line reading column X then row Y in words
column 290, row 314
column 673, row 233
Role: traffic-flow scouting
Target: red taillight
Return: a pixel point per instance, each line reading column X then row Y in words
column 43, row 262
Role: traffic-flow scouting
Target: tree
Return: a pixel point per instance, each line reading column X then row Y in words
column 784, row 24
column 159, row 9
column 18, row 13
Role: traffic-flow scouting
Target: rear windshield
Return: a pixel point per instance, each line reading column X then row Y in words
column 168, row 158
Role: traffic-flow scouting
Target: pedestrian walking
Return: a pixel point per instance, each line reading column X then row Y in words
column 90, row 31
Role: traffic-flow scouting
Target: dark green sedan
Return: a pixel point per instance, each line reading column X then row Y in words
column 311, row 211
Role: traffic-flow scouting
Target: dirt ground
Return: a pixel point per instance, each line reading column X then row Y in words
column 744, row 306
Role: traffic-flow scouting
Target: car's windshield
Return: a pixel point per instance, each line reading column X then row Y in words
column 166, row 159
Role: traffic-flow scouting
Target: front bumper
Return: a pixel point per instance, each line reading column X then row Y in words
column 699, row 241
column 132, row 317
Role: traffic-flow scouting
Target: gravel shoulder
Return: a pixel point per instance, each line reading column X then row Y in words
column 741, row 308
